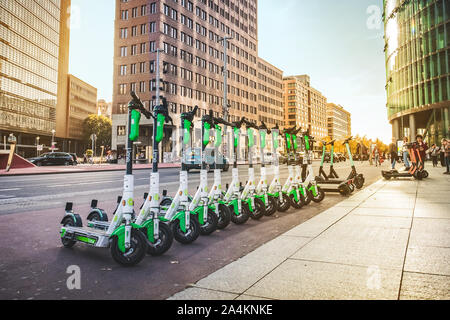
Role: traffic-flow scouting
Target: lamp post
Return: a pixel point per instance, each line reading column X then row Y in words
column 225, row 89
column 37, row 146
column 53, row 140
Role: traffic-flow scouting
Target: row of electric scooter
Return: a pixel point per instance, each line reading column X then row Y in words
column 161, row 218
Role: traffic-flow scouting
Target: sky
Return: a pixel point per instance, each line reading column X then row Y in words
column 338, row 43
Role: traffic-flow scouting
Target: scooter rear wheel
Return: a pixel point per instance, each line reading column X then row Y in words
column 68, row 222
column 258, row 211
column 344, row 190
column 297, row 204
column 307, row 198
column 284, row 203
column 133, row 255
column 271, row 207
column 164, row 242
column 224, row 217
column 191, row 234
column 210, row 225
column 242, row 217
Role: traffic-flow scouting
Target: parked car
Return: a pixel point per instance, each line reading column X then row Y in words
column 75, row 158
column 53, row 159
column 194, row 160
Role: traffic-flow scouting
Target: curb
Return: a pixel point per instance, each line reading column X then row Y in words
column 71, row 172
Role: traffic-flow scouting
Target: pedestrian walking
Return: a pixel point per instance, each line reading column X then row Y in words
column 405, row 154
column 377, row 156
column 423, row 147
column 442, row 153
column 393, row 153
column 446, row 147
column 434, row 153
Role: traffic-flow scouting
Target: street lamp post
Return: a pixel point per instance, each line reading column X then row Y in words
column 225, row 89
column 37, row 146
column 53, row 140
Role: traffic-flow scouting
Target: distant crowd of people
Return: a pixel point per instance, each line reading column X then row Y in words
column 434, row 153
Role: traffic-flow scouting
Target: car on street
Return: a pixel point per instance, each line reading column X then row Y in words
column 194, row 160
column 75, row 158
column 53, row 159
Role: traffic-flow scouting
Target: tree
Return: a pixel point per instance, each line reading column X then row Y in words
column 100, row 126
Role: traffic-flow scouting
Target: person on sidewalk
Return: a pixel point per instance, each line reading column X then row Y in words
column 446, row 147
column 371, row 152
column 393, row 152
column 423, row 147
column 376, row 152
column 442, row 152
column 434, row 152
column 405, row 154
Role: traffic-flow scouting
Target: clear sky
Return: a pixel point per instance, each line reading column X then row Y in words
column 339, row 43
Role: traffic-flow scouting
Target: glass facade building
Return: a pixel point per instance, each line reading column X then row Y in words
column 29, row 49
column 417, row 38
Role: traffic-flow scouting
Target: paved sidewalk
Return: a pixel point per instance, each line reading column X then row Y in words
column 390, row 240
column 81, row 168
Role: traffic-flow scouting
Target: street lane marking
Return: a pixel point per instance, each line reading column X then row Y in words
column 13, row 189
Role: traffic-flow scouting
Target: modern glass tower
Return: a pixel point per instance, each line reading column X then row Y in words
column 33, row 57
column 417, row 36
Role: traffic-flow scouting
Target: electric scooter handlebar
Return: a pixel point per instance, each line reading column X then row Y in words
column 164, row 110
column 249, row 124
column 275, row 128
column 137, row 104
column 221, row 121
column 208, row 118
column 264, row 127
column 189, row 116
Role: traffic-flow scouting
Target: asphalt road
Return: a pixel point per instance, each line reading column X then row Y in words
column 33, row 262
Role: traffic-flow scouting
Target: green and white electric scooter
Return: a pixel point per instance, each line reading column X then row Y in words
column 199, row 204
column 127, row 243
column 262, row 188
column 313, row 190
column 276, row 188
column 216, row 194
column 240, row 213
column 155, row 227
column 249, row 197
column 292, row 185
column 185, row 224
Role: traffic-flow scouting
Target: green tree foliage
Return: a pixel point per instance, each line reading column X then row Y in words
column 99, row 125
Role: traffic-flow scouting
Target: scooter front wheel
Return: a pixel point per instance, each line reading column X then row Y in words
column 320, row 195
column 224, row 217
column 297, row 204
column 164, row 242
column 284, row 203
column 210, row 224
column 359, row 181
column 134, row 254
column 258, row 210
column 271, row 207
column 242, row 217
column 190, row 235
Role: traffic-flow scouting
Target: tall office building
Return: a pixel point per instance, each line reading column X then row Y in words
column 33, row 50
column 339, row 122
column 188, row 32
column 417, row 35
column 270, row 94
column 305, row 106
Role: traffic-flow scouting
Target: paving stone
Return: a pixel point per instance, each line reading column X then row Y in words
column 315, row 226
column 432, row 210
column 431, row 260
column 361, row 240
column 388, row 203
column 307, row 280
column 383, row 212
column 430, row 233
column 202, row 294
column 417, row 286
column 243, row 273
